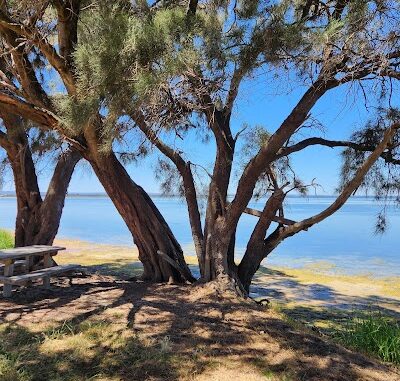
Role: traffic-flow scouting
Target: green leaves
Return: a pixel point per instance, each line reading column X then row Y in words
column 383, row 180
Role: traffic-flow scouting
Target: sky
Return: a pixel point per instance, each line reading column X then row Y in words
column 266, row 101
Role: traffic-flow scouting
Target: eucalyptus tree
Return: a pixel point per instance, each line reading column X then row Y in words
column 38, row 218
column 39, row 43
column 172, row 68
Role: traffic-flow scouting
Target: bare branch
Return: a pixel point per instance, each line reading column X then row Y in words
column 387, row 156
column 279, row 220
column 268, row 151
column 233, row 89
column 59, row 64
column 38, row 115
column 349, row 189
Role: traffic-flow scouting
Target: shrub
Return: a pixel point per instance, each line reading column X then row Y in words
column 6, row 239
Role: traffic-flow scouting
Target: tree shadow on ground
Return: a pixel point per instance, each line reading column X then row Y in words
column 188, row 332
column 81, row 352
column 283, row 288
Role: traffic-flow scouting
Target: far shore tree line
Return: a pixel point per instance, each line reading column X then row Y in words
column 79, row 79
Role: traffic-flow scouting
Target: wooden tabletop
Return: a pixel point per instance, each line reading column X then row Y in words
column 28, row 251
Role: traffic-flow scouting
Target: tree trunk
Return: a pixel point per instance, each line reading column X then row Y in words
column 256, row 252
column 49, row 214
column 37, row 220
column 258, row 246
column 150, row 231
column 219, row 251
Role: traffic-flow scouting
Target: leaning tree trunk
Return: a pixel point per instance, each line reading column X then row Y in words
column 260, row 246
column 150, row 231
column 37, row 220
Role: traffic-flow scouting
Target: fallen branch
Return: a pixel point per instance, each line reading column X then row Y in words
column 174, row 264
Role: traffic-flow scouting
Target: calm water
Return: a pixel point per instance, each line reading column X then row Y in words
column 346, row 239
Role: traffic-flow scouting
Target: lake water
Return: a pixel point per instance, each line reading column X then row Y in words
column 346, row 240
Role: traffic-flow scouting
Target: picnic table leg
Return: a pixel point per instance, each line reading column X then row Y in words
column 28, row 264
column 48, row 262
column 8, row 271
column 27, row 268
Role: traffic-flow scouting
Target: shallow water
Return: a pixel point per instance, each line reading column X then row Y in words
column 344, row 242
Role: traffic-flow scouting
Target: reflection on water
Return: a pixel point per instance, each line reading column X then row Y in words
column 346, row 239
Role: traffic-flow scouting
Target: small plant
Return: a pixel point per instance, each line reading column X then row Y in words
column 375, row 335
column 6, row 239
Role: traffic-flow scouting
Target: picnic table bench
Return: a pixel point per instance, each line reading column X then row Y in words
column 24, row 257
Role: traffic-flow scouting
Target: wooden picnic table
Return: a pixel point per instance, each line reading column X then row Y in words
column 9, row 257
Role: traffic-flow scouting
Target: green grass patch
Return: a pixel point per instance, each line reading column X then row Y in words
column 6, row 239
column 367, row 331
column 376, row 335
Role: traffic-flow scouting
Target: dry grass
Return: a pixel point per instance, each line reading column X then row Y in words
column 91, row 350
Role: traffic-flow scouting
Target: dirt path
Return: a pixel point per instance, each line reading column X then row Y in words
column 208, row 337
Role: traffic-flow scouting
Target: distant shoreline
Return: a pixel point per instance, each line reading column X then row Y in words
column 159, row 195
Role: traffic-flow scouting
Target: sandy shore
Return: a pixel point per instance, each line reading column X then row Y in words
column 315, row 286
column 106, row 328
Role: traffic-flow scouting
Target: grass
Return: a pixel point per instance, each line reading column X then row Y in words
column 91, row 350
column 376, row 335
column 6, row 239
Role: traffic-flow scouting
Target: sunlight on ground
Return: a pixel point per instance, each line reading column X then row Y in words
column 81, row 332
column 124, row 261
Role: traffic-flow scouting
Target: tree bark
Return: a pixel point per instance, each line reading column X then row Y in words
column 149, row 229
column 37, row 220
column 185, row 170
column 218, row 237
column 258, row 247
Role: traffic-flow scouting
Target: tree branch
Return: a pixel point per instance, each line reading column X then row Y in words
column 67, row 25
column 268, row 151
column 285, row 151
column 47, row 49
column 349, row 189
column 192, row 7
column 3, row 140
column 38, row 115
column 24, row 72
column 233, row 90
column 187, row 177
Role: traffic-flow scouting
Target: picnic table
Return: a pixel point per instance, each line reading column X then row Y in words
column 24, row 257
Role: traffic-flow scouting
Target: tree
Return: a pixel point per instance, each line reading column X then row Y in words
column 169, row 68
column 191, row 78
column 37, row 219
column 26, row 31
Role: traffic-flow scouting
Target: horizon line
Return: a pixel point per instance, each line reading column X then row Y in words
column 5, row 194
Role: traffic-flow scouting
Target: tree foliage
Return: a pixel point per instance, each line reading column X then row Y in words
column 172, row 68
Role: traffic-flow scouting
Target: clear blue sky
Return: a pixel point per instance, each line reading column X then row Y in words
column 262, row 101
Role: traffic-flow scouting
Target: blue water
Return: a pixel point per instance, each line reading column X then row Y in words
column 346, row 239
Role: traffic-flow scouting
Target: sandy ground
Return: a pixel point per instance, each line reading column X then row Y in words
column 211, row 336
column 313, row 287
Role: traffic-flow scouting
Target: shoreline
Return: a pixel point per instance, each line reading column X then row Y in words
column 315, row 283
